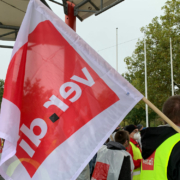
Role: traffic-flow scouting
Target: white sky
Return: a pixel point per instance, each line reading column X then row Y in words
column 100, row 31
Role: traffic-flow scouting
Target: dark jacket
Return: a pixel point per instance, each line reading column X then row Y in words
column 152, row 138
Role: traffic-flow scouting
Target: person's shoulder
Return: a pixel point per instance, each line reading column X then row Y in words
column 174, row 163
column 176, row 151
column 125, row 153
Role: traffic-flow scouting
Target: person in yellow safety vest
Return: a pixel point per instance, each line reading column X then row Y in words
column 135, row 150
column 161, row 146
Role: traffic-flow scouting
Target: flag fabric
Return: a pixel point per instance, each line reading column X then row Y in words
column 61, row 101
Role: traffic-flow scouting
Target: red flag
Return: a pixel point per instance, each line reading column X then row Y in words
column 61, row 101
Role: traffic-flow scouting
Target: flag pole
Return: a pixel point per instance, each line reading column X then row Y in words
column 172, row 80
column 165, row 118
column 117, row 49
column 146, row 94
column 70, row 19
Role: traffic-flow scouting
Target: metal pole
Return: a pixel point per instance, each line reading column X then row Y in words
column 101, row 4
column 172, row 79
column 70, row 19
column 117, row 49
column 146, row 94
column 2, row 46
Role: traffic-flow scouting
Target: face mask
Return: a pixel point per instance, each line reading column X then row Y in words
column 137, row 136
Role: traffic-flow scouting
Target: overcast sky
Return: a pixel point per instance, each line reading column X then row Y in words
column 100, row 31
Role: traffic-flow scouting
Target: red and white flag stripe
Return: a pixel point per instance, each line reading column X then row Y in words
column 61, row 101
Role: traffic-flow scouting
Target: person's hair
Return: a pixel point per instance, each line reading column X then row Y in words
column 171, row 108
column 122, row 136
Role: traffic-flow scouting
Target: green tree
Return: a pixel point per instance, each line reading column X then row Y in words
column 157, row 36
column 138, row 116
column 1, row 90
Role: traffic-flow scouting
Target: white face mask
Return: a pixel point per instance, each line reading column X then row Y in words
column 137, row 136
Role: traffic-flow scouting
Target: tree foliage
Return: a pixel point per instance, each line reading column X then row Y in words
column 138, row 116
column 157, row 37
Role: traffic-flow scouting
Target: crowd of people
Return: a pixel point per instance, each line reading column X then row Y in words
column 138, row 153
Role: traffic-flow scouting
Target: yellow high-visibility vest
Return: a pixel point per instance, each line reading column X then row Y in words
column 155, row 167
column 136, row 155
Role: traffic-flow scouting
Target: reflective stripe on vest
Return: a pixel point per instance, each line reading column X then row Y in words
column 136, row 155
column 155, row 167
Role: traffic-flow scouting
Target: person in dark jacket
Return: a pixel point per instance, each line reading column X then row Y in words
column 113, row 161
column 161, row 146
